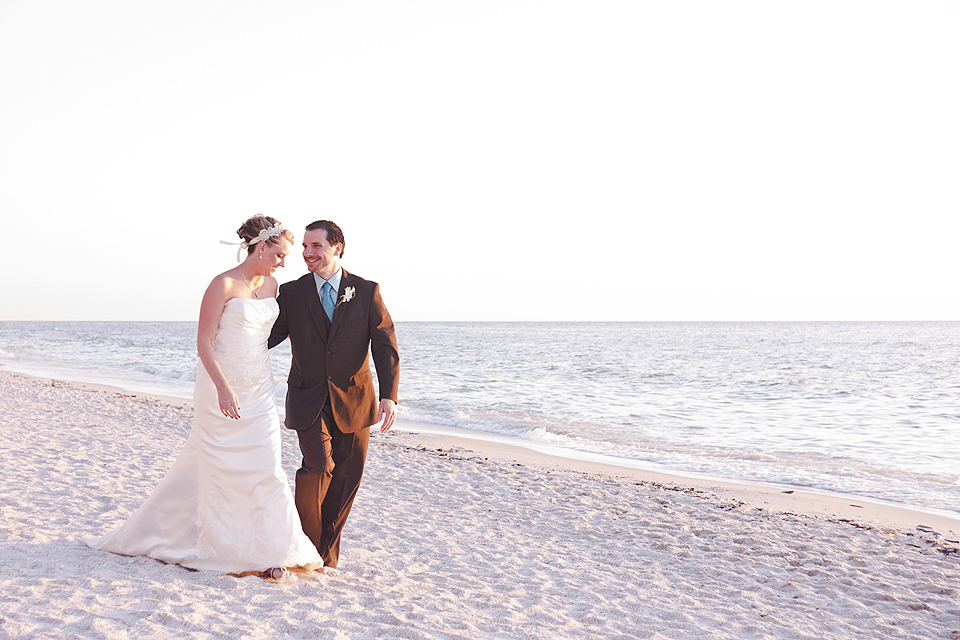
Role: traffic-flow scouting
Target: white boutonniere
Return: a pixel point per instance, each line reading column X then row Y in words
column 347, row 296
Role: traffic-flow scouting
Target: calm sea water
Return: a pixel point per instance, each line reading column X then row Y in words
column 869, row 409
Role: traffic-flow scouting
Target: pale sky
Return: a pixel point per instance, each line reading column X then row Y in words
column 494, row 160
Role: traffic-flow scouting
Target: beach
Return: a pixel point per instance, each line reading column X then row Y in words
column 454, row 538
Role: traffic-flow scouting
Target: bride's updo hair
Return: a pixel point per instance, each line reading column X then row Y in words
column 252, row 228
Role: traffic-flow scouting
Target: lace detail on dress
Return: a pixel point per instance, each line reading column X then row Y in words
column 241, row 342
column 242, row 369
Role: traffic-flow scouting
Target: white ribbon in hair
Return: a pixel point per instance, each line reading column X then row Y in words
column 271, row 232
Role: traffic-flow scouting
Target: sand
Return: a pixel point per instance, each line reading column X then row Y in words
column 452, row 538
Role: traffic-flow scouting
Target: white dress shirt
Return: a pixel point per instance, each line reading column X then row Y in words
column 334, row 282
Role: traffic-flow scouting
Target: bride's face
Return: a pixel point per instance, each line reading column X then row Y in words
column 274, row 255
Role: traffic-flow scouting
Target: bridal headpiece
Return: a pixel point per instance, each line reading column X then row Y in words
column 265, row 234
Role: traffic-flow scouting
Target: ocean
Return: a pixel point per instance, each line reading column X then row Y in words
column 867, row 409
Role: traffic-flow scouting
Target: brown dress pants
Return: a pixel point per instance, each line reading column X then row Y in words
column 327, row 481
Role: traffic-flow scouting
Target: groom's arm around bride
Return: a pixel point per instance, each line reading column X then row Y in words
column 335, row 321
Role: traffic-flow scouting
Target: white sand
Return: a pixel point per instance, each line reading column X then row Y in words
column 456, row 544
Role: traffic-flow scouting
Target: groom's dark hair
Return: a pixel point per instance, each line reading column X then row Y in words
column 334, row 234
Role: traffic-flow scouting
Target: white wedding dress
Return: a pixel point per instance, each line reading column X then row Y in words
column 225, row 505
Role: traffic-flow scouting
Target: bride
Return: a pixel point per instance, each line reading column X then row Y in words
column 225, row 505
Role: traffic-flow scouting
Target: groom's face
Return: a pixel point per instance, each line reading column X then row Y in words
column 318, row 253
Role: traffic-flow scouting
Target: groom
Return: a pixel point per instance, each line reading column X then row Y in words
column 334, row 320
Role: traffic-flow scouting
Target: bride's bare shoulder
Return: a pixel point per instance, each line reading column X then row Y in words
column 271, row 286
column 222, row 286
column 225, row 279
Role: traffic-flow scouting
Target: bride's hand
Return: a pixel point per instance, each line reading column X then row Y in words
column 229, row 405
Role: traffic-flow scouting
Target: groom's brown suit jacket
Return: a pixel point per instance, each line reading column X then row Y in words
column 331, row 358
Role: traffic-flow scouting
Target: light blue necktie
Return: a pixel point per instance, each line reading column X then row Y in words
column 326, row 299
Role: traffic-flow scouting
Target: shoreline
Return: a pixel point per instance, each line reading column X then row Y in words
column 888, row 512
column 768, row 496
column 452, row 539
column 777, row 498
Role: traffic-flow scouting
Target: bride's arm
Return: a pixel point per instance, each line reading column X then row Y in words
column 211, row 308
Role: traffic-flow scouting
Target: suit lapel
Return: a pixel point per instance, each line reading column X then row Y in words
column 338, row 312
column 312, row 300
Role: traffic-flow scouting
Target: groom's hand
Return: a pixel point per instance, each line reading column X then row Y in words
column 388, row 414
